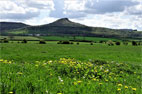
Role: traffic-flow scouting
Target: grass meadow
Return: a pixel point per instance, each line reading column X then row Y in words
column 52, row 68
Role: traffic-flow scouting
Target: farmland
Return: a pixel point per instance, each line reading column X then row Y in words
column 53, row 68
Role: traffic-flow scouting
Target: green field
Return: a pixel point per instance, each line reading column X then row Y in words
column 76, row 38
column 33, row 51
column 20, row 37
column 53, row 68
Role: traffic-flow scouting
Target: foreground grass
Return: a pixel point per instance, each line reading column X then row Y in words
column 69, row 76
column 33, row 51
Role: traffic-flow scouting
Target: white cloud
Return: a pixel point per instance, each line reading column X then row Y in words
column 115, row 21
column 101, row 13
column 23, row 9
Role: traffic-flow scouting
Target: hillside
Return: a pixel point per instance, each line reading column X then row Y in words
column 65, row 27
column 5, row 26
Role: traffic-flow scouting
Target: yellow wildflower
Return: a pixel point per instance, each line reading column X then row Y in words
column 11, row 92
column 59, row 93
column 94, row 79
column 126, row 87
column 119, row 84
column 134, row 89
column 119, row 89
column 79, row 82
column 9, row 62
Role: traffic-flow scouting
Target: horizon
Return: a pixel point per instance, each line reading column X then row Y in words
column 63, row 18
column 115, row 14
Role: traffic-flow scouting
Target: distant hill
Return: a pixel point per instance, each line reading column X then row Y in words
column 5, row 26
column 65, row 27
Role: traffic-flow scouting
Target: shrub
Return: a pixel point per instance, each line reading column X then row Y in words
column 91, row 43
column 59, row 42
column 71, row 42
column 64, row 42
column 42, row 42
column 77, row 43
column 134, row 43
column 24, row 41
column 125, row 43
column 5, row 40
column 101, row 41
column 117, row 43
column 139, row 43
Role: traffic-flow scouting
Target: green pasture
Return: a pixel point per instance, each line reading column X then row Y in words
column 33, row 51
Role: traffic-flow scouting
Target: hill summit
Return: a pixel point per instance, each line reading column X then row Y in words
column 65, row 22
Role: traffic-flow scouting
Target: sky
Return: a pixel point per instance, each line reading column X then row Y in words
column 116, row 14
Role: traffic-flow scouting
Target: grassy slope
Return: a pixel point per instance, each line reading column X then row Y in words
column 84, row 51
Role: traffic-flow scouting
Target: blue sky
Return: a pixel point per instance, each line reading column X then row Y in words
column 116, row 14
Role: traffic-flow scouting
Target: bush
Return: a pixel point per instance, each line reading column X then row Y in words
column 117, row 43
column 134, row 43
column 64, row 42
column 5, row 40
column 71, row 42
column 139, row 43
column 59, row 42
column 101, row 41
column 24, row 41
column 77, row 43
column 42, row 42
column 91, row 43
column 125, row 43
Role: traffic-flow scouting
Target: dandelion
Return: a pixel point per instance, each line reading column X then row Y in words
column 126, row 87
column 134, row 89
column 119, row 84
column 94, row 79
column 59, row 93
column 79, row 82
column 11, row 92
column 119, row 89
